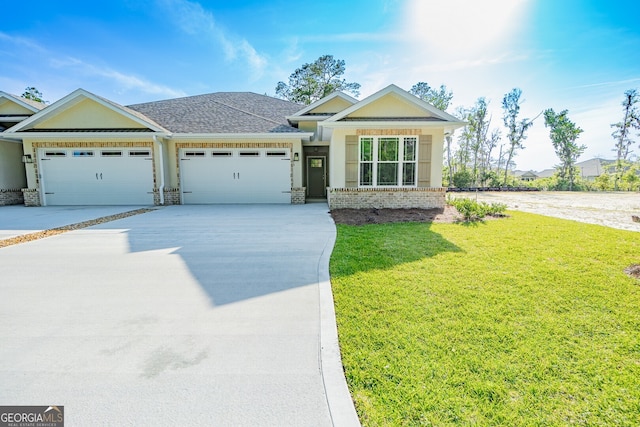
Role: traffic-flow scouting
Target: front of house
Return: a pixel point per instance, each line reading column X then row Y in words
column 234, row 147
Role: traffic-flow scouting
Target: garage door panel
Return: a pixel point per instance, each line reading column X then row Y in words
column 238, row 176
column 86, row 177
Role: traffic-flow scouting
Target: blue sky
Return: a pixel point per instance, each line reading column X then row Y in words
column 579, row 55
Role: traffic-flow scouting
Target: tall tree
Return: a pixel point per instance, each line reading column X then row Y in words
column 564, row 133
column 33, row 94
column 622, row 132
column 439, row 98
column 314, row 81
column 478, row 127
column 516, row 129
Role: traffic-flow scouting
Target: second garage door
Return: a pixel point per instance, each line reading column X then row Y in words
column 211, row 176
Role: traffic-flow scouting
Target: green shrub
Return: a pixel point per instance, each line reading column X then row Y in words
column 472, row 210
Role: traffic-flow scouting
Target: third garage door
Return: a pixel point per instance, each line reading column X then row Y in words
column 235, row 176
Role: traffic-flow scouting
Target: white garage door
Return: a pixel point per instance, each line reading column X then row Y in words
column 235, row 176
column 96, row 176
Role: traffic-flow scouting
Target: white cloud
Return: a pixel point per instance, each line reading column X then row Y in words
column 125, row 81
column 21, row 41
column 193, row 19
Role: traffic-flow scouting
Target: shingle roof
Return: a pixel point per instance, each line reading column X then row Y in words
column 221, row 112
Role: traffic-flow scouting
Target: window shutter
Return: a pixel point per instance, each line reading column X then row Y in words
column 351, row 161
column 424, row 161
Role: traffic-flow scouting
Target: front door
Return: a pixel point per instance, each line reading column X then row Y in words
column 316, row 177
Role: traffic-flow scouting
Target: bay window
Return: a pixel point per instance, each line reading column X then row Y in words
column 388, row 161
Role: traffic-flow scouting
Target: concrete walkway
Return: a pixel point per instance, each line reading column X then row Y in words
column 187, row 315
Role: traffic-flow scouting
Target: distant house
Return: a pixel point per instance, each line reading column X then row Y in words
column 526, row 175
column 592, row 168
column 547, row 173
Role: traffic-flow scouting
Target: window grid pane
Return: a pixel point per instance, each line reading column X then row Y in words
column 410, row 149
column 366, row 174
column 366, row 149
column 409, row 174
column 387, row 174
column 388, row 149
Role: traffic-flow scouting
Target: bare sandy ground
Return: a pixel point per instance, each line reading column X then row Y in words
column 612, row 209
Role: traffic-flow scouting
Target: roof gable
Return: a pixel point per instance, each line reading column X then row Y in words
column 82, row 110
column 392, row 103
column 330, row 104
column 16, row 105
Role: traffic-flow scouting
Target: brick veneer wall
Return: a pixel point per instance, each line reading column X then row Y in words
column 298, row 196
column 171, row 196
column 11, row 197
column 31, row 196
column 380, row 198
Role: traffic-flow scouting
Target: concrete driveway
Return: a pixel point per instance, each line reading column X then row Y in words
column 187, row 315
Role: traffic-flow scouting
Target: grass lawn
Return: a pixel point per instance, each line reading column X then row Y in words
column 523, row 321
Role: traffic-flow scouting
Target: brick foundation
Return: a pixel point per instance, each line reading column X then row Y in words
column 171, row 196
column 11, row 197
column 31, row 197
column 298, row 196
column 380, row 198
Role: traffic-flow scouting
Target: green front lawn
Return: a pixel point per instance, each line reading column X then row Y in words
column 523, row 321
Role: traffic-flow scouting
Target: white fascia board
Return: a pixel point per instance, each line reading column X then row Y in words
column 283, row 135
column 317, row 118
column 395, row 124
column 80, row 135
column 14, row 140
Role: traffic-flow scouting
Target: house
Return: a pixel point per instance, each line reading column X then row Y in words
column 546, row 173
column 592, row 168
column 525, row 175
column 13, row 109
column 236, row 147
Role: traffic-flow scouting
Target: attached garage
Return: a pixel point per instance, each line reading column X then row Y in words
column 244, row 175
column 96, row 176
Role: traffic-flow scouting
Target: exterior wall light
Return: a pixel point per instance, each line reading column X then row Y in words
column 27, row 158
column 296, row 157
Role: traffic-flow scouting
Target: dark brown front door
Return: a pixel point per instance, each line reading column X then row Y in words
column 316, row 177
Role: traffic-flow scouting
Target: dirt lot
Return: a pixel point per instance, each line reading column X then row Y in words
column 608, row 209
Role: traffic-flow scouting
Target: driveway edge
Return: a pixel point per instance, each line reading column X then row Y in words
column 341, row 408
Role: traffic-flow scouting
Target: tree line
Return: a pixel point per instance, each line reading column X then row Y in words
column 482, row 154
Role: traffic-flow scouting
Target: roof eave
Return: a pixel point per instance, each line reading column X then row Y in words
column 265, row 135
column 394, row 124
column 81, row 135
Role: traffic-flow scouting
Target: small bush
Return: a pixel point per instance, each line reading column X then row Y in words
column 472, row 210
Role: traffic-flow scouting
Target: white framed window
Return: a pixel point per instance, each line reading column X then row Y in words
column 388, row 161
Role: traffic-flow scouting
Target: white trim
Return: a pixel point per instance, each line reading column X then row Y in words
column 283, row 135
column 84, row 135
column 400, row 162
column 395, row 124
